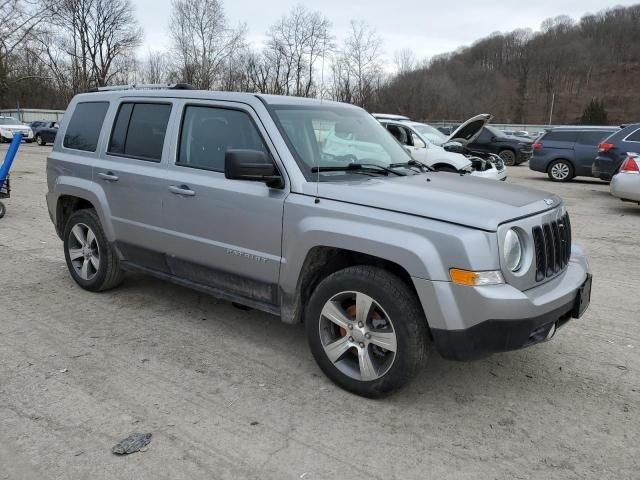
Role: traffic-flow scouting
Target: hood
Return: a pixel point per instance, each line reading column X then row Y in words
column 449, row 197
column 470, row 130
column 434, row 155
column 16, row 126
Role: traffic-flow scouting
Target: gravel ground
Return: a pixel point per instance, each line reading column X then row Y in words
column 233, row 394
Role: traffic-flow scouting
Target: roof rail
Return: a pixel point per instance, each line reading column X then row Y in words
column 152, row 86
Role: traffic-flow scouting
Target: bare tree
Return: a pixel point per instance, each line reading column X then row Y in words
column 295, row 45
column 202, row 40
column 155, row 67
column 404, row 60
column 90, row 42
column 362, row 58
column 18, row 18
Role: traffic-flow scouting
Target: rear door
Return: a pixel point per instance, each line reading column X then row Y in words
column 225, row 234
column 129, row 174
column 586, row 149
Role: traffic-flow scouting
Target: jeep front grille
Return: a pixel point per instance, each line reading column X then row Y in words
column 553, row 247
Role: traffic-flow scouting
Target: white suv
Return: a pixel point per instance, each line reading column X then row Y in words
column 9, row 126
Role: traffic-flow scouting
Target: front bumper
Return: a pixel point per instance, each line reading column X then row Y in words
column 492, row 174
column 472, row 322
column 9, row 135
column 524, row 155
column 626, row 186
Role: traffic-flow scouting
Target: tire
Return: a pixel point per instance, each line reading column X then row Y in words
column 396, row 320
column 101, row 274
column 508, row 157
column 560, row 171
column 3, row 210
column 40, row 141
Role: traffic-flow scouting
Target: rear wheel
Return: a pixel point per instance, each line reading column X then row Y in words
column 3, row 210
column 366, row 330
column 560, row 171
column 508, row 157
column 91, row 260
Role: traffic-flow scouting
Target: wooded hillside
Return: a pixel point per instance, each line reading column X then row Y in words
column 515, row 75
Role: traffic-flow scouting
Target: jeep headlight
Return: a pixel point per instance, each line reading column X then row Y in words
column 512, row 251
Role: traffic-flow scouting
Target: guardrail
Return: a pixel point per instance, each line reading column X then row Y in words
column 27, row 115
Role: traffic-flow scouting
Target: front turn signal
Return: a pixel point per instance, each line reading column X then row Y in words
column 475, row 279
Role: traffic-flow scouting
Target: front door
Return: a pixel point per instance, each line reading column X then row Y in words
column 226, row 234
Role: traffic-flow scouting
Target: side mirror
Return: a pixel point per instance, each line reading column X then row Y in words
column 251, row 165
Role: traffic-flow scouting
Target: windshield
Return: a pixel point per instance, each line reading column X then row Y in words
column 336, row 136
column 9, row 121
column 432, row 134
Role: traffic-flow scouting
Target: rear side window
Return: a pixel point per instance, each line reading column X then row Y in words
column 139, row 130
column 85, row 125
column 634, row 137
column 208, row 132
column 593, row 137
column 561, row 136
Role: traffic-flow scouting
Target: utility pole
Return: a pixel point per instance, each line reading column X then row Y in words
column 553, row 101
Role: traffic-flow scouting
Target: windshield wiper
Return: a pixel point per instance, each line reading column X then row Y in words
column 356, row 167
column 411, row 163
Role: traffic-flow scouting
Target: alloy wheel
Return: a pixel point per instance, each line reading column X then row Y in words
column 84, row 251
column 560, row 171
column 358, row 336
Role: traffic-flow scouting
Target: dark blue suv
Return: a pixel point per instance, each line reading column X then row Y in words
column 613, row 151
column 567, row 152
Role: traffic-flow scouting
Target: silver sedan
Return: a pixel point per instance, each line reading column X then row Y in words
column 626, row 183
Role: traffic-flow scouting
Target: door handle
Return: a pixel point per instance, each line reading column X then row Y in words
column 109, row 176
column 182, row 190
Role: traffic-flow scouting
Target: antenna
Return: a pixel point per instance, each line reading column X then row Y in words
column 324, row 53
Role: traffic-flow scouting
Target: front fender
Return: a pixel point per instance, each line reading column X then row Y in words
column 424, row 248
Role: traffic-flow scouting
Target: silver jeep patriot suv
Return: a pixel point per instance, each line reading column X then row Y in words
column 310, row 210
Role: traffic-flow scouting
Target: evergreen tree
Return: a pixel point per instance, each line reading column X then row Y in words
column 594, row 113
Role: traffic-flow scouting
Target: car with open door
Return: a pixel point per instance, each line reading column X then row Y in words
column 311, row 211
column 418, row 138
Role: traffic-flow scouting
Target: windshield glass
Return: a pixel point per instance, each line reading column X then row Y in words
column 432, row 134
column 336, row 136
column 9, row 121
column 494, row 131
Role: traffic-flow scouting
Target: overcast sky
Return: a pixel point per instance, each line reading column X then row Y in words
column 428, row 27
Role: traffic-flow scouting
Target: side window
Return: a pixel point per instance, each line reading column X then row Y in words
column 592, row 138
column 208, row 132
column 139, row 130
column 485, row 136
column 399, row 133
column 634, row 137
column 561, row 136
column 417, row 141
column 85, row 125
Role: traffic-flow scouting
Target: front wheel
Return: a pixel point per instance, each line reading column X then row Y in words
column 40, row 141
column 366, row 330
column 560, row 171
column 3, row 210
column 508, row 157
column 92, row 261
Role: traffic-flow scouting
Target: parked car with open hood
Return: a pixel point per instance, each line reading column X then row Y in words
column 243, row 197
column 613, row 151
column 512, row 150
column 410, row 134
column 564, row 153
column 10, row 126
